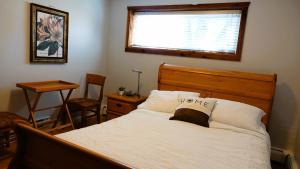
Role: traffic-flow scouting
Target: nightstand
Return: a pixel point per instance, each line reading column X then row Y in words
column 120, row 105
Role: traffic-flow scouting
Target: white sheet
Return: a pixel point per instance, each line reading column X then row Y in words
column 148, row 140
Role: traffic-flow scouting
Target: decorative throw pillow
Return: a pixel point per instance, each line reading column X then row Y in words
column 165, row 101
column 194, row 110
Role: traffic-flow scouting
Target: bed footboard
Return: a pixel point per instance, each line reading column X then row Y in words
column 39, row 150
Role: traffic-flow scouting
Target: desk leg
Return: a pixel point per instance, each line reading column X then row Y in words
column 32, row 109
column 65, row 105
column 60, row 110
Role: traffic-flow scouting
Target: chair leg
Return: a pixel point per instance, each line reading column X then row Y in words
column 83, row 118
column 98, row 114
column 6, row 135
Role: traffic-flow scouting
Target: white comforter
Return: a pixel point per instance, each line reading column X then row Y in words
column 148, row 140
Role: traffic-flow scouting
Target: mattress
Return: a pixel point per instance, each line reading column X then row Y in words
column 149, row 140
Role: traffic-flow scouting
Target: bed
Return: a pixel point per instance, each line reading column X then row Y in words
column 148, row 139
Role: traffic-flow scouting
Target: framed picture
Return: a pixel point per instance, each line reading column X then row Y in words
column 48, row 35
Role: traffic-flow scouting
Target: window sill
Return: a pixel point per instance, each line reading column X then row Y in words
column 186, row 53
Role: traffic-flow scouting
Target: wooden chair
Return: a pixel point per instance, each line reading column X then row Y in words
column 86, row 104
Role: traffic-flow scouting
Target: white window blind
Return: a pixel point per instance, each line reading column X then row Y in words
column 209, row 31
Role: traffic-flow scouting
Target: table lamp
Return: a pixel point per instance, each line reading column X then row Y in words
column 138, row 86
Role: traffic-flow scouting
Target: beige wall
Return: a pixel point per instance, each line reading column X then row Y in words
column 87, row 48
column 271, row 45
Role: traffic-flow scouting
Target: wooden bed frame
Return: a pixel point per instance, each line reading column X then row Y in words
column 251, row 88
column 39, row 150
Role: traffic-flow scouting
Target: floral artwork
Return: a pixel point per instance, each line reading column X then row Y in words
column 49, row 35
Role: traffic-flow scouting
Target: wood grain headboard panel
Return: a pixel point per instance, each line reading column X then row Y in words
column 254, row 89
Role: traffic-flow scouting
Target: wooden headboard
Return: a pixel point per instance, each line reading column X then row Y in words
column 254, row 89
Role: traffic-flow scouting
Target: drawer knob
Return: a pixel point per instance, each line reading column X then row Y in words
column 119, row 105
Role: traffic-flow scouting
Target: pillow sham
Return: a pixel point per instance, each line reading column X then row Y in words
column 194, row 110
column 165, row 101
column 237, row 114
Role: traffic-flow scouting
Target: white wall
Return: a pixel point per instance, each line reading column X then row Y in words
column 87, row 48
column 271, row 45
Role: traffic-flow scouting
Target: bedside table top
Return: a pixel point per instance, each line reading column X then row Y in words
column 130, row 99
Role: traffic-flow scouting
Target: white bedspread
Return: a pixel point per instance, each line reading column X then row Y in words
column 148, row 140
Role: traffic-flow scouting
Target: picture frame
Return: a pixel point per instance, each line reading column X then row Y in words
column 48, row 34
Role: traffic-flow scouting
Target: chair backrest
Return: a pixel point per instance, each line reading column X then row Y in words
column 95, row 80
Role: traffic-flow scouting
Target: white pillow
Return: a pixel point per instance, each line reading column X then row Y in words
column 165, row 101
column 237, row 114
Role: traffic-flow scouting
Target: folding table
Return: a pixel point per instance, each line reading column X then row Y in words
column 48, row 86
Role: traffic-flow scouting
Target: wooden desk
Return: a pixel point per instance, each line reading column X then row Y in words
column 48, row 86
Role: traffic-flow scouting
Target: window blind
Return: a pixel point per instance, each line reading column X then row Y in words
column 212, row 31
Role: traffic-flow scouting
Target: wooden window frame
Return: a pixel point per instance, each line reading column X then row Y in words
column 243, row 6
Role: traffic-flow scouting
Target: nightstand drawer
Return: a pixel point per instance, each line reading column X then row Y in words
column 112, row 115
column 119, row 106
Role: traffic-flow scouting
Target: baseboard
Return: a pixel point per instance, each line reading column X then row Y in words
column 278, row 155
column 103, row 109
column 291, row 161
column 284, row 157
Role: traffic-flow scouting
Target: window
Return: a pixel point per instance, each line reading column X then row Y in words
column 207, row 30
